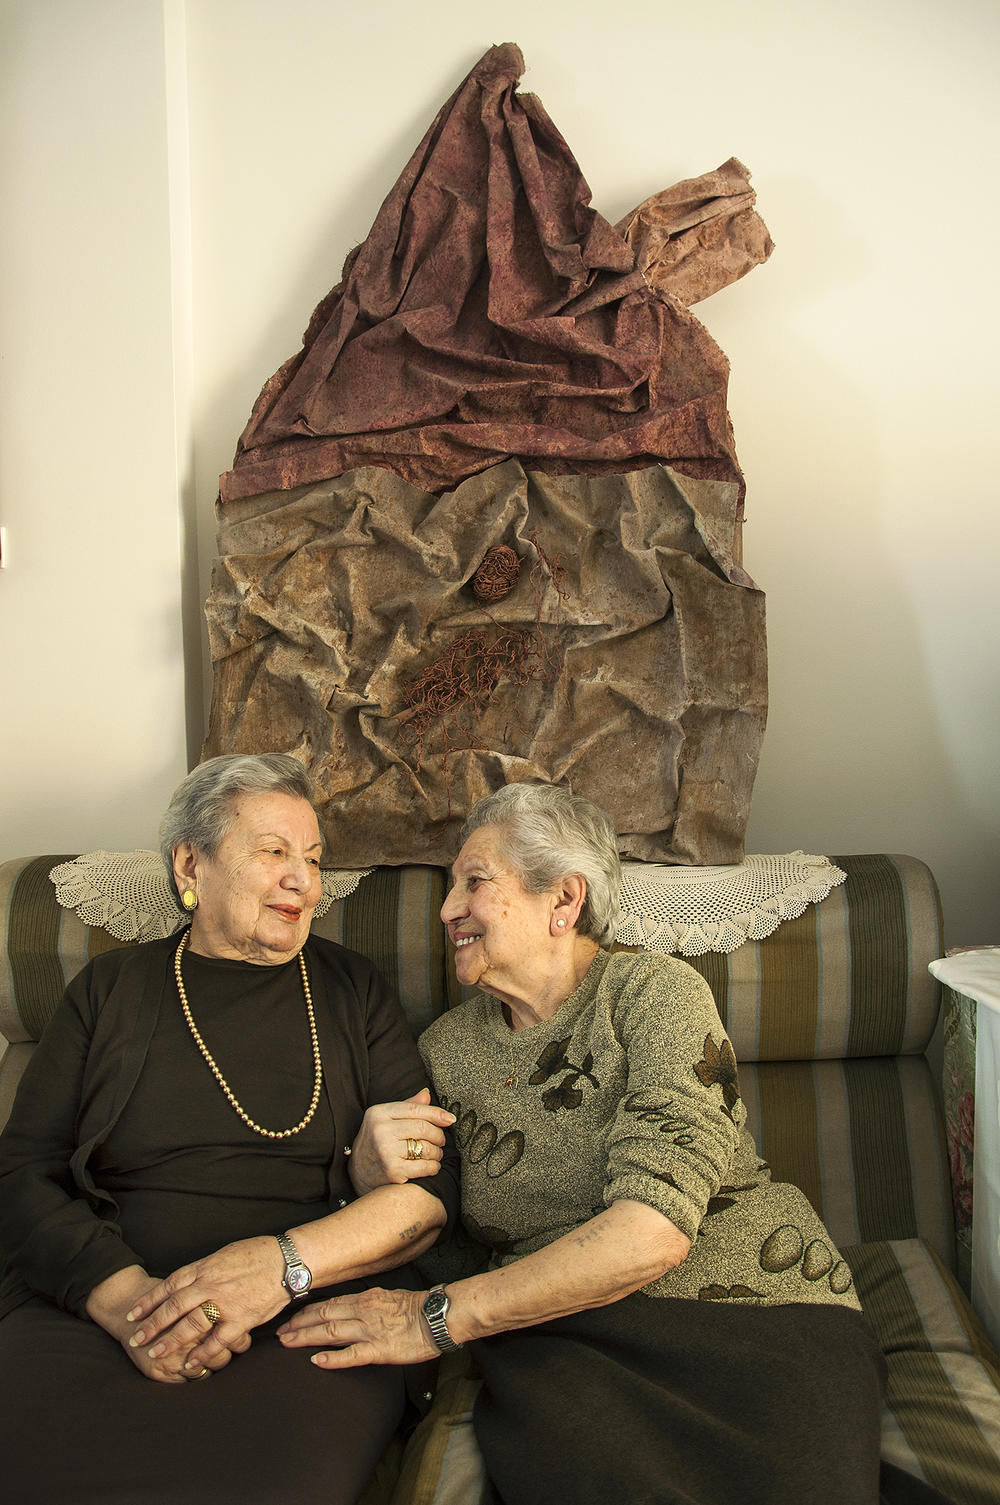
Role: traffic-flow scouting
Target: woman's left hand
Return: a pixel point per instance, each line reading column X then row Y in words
column 370, row 1327
column 382, row 1152
column 243, row 1280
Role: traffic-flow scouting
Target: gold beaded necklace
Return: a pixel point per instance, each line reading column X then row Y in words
column 230, row 1095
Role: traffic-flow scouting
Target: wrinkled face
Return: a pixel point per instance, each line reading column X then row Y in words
column 497, row 927
column 256, row 896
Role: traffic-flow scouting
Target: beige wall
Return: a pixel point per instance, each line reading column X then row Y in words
column 863, row 393
column 91, row 672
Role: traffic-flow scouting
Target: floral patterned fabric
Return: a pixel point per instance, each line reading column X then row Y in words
column 960, row 1116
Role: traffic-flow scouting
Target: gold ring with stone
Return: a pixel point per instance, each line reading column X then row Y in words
column 414, row 1149
column 212, row 1313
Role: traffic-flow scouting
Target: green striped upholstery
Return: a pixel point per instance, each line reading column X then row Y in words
column 847, row 978
column 393, row 917
column 829, row 1017
column 942, row 1417
column 834, row 1106
column 44, row 946
column 862, row 1138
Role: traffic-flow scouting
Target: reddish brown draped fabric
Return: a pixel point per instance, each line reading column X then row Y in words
column 493, row 312
column 501, row 368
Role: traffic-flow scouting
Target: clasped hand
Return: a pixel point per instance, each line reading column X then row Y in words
column 380, row 1155
column 170, row 1327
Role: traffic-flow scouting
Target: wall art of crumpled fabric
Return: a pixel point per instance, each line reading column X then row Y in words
column 500, row 366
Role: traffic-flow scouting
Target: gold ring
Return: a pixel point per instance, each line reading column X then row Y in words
column 414, row 1149
column 212, row 1313
column 203, row 1376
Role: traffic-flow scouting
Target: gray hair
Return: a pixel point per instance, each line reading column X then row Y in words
column 548, row 833
column 202, row 808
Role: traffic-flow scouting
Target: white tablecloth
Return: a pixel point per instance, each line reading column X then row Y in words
column 976, row 974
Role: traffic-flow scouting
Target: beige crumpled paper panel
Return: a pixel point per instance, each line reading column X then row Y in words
column 330, row 601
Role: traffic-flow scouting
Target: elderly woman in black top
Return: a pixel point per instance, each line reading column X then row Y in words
column 177, row 1170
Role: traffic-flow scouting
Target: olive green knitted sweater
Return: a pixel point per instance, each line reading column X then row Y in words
column 630, row 1092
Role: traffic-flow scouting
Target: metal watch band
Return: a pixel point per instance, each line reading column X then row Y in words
column 435, row 1311
column 298, row 1277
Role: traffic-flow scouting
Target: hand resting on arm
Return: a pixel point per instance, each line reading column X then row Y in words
column 604, row 1260
column 379, row 1154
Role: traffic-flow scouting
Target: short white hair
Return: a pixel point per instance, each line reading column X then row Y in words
column 547, row 833
column 202, row 809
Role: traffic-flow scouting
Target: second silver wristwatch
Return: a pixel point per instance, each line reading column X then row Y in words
column 435, row 1310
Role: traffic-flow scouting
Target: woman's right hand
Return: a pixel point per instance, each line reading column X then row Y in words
column 379, row 1154
column 108, row 1304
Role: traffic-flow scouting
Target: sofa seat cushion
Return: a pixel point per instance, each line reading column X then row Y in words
column 942, row 1416
column 442, row 1464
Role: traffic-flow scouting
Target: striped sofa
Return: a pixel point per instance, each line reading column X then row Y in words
column 829, row 1019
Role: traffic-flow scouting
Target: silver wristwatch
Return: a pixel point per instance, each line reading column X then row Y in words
column 435, row 1310
column 297, row 1277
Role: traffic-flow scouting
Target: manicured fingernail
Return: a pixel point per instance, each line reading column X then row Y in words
column 320, row 1360
column 155, row 1351
column 131, row 1316
column 137, row 1339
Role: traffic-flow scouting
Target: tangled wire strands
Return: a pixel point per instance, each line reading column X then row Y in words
column 466, row 675
column 497, row 575
column 543, row 566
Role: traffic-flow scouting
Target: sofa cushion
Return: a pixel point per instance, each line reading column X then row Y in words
column 394, row 917
column 862, row 1138
column 44, row 946
column 942, row 1416
column 442, row 1464
column 848, row 977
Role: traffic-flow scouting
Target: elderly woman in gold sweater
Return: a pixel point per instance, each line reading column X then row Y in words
column 654, row 1319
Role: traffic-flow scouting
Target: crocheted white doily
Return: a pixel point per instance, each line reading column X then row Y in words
column 692, row 910
column 127, row 893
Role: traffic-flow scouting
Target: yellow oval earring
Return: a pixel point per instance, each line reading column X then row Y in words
column 189, row 899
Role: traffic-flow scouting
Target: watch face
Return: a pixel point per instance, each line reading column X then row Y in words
column 436, row 1302
column 298, row 1279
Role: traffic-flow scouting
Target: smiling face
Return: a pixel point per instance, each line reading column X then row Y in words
column 500, row 931
column 256, row 896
